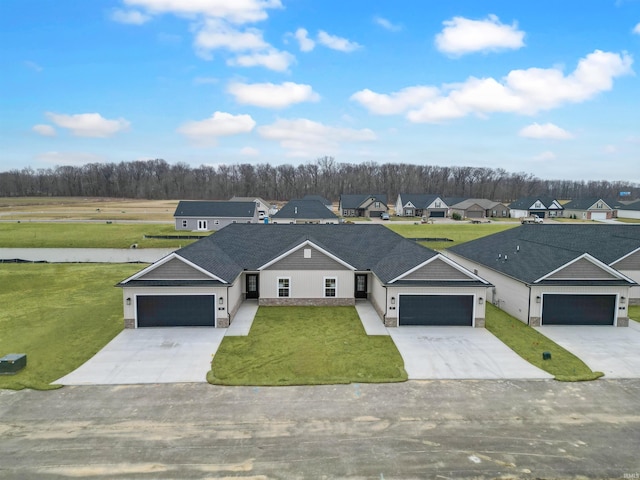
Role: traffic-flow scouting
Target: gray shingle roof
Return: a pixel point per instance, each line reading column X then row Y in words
column 200, row 208
column 631, row 206
column 319, row 198
column 533, row 251
column 355, row 200
column 421, row 200
column 305, row 209
column 241, row 247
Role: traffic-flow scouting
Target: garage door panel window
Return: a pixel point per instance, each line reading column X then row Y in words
column 330, row 286
column 284, row 287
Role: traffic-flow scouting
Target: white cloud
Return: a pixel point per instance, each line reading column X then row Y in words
column 220, row 124
column 249, row 152
column 336, row 43
column 302, row 137
column 131, row 17
column 396, row 102
column 636, row 29
column 214, row 34
column 544, row 156
column 69, row 158
column 524, row 92
column 89, row 124
column 545, row 131
column 269, row 95
column 462, row 35
column 44, row 130
column 272, row 59
column 306, row 44
column 236, row 11
column 387, row 24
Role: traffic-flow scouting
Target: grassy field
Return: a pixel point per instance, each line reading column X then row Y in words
column 59, row 315
column 634, row 312
column 529, row 344
column 458, row 232
column 80, row 208
column 306, row 346
column 87, row 235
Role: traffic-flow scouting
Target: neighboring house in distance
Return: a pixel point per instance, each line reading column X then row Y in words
column 205, row 283
column 209, row 215
column 540, row 206
column 304, row 211
column 631, row 210
column 559, row 274
column 419, row 205
column 478, row 208
column 263, row 206
column 326, row 202
column 365, row 205
column 592, row 208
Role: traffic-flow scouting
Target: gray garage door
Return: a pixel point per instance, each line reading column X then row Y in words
column 475, row 214
column 176, row 311
column 578, row 309
column 437, row 214
column 436, row 310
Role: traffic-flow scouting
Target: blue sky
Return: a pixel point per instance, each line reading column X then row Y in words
column 547, row 87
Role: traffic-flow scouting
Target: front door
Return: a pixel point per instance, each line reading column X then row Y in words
column 252, row 285
column 361, row 286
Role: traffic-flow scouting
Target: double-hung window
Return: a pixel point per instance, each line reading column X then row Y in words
column 284, row 287
column 330, row 286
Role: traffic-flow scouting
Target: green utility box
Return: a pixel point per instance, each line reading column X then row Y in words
column 12, row 363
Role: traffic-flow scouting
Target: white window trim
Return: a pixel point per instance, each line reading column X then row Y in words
column 278, row 287
column 185, row 223
column 203, row 224
column 324, row 286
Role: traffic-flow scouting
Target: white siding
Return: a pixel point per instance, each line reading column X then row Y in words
column 235, row 294
column 629, row 213
column 306, row 283
column 378, row 295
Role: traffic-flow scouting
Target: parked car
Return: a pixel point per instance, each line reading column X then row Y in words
column 384, row 216
column 531, row 219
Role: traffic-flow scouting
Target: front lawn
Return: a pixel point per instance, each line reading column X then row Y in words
column 458, row 232
column 89, row 235
column 530, row 344
column 60, row 315
column 634, row 312
column 306, row 346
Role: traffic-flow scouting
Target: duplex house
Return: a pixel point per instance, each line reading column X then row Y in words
column 559, row 274
column 540, row 206
column 210, row 215
column 592, row 208
column 363, row 205
column 478, row 208
column 205, row 283
column 304, row 211
column 420, row 205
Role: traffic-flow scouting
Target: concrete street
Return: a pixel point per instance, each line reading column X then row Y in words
column 413, row 430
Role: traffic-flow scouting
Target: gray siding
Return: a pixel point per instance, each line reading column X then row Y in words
column 582, row 269
column 192, row 223
column 437, row 270
column 632, row 262
column 296, row 261
column 175, row 269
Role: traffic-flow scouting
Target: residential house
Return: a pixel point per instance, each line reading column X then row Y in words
column 264, row 207
column 210, row 215
column 592, row 208
column 559, row 274
column 540, row 206
column 364, row 205
column 420, row 205
column 327, row 203
column 304, row 211
column 205, row 283
column 630, row 210
column 478, row 208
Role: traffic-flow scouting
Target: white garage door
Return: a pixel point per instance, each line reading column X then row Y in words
column 598, row 215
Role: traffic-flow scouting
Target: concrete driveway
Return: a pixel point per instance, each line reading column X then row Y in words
column 151, row 355
column 615, row 351
column 459, row 353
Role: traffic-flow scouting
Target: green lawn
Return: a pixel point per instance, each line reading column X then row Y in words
column 87, row 235
column 60, row 315
column 306, row 346
column 458, row 232
column 634, row 312
column 530, row 344
column 628, row 220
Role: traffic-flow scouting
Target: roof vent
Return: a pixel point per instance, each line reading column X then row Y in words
column 295, row 210
column 505, row 258
column 517, row 248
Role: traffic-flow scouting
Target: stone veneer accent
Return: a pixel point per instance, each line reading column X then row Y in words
column 129, row 323
column 623, row 322
column 534, row 321
column 307, row 302
column 390, row 321
column 479, row 322
column 222, row 322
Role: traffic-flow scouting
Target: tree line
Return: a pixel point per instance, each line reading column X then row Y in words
column 157, row 179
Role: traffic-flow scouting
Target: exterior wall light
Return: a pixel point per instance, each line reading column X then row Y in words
column 622, row 300
column 128, row 300
column 393, row 300
column 538, row 299
column 221, row 300
column 480, row 300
